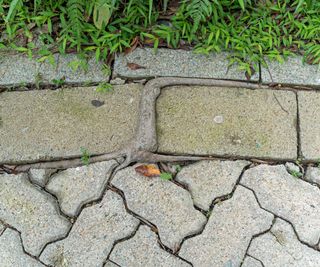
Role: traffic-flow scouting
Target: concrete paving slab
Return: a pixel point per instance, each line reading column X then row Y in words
column 227, row 122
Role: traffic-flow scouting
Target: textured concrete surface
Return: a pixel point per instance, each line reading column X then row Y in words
column 32, row 212
column 75, row 187
column 288, row 197
column 251, row 262
column 143, row 250
column 161, row 202
column 207, row 180
column 227, row 121
column 176, row 63
column 280, row 247
column 56, row 124
column 93, row 235
column 292, row 71
column 228, row 232
column 309, row 109
column 40, row 176
column 313, row 175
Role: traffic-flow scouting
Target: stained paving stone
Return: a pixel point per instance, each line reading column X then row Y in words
column 254, row 123
column 313, row 175
column 40, row 176
column 31, row 211
column 56, row 124
column 142, row 251
column 309, row 108
column 11, row 251
column 207, row 180
column 287, row 197
column 162, row 203
column 292, row 71
column 228, row 232
column 177, row 63
column 93, row 235
column 76, row 186
column 251, row 262
column 280, row 247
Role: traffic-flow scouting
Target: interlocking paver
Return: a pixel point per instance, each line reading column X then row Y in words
column 32, row 212
column 228, row 232
column 93, row 234
column 40, row 176
column 208, row 180
column 251, row 262
column 280, row 247
column 288, row 197
column 313, row 175
column 11, row 251
column 76, row 186
column 163, row 203
column 143, row 251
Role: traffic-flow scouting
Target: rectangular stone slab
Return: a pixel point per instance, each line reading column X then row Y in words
column 227, row 122
column 45, row 124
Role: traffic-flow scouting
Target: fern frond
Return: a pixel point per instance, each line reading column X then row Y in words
column 76, row 18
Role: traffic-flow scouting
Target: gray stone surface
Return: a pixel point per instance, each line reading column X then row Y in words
column 55, row 124
column 93, row 234
column 228, row 232
column 292, row 71
column 292, row 168
column 254, row 123
column 110, row 264
column 287, row 197
column 177, row 63
column 207, row 180
column 40, row 176
column 251, row 262
column 32, row 212
column 313, row 175
column 11, row 252
column 75, row 187
column 143, row 250
column 280, row 247
column 161, row 202
column 309, row 109
column 2, row 227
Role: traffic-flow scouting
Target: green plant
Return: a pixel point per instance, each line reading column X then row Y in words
column 85, row 158
column 104, row 87
column 296, row 174
column 166, row 176
column 59, row 82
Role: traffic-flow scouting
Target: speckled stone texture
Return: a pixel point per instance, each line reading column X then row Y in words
column 40, row 176
column 251, row 262
column 313, row 175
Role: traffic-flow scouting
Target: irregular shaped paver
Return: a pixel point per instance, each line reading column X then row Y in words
column 56, row 124
column 288, row 197
column 228, row 232
column 110, row 264
column 32, row 212
column 40, row 176
column 143, row 250
column 227, row 122
column 11, row 252
column 76, row 186
column 93, row 234
column 208, row 180
column 251, row 262
column 313, row 175
column 163, row 203
column 280, row 247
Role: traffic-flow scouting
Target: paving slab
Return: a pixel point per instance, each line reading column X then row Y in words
column 32, row 212
column 75, row 187
column 162, row 203
column 228, row 232
column 92, row 236
column 309, row 108
column 251, row 262
column 227, row 122
column 143, row 250
column 2, row 227
column 287, row 197
column 207, row 180
column 313, row 175
column 40, row 176
column 11, row 251
column 176, row 63
column 293, row 71
column 56, row 124
column 280, row 247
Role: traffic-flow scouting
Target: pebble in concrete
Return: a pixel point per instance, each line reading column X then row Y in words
column 280, row 247
column 162, row 203
column 76, row 186
column 32, row 212
column 40, row 176
column 313, row 175
column 11, row 251
column 287, row 197
column 93, row 234
column 228, row 232
column 143, row 250
column 251, row 262
column 208, row 180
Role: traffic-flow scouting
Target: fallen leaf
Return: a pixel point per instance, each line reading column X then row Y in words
column 148, row 170
column 134, row 66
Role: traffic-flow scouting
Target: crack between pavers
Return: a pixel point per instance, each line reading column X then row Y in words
column 298, row 129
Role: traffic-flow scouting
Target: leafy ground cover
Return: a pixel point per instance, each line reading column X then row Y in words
column 253, row 30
